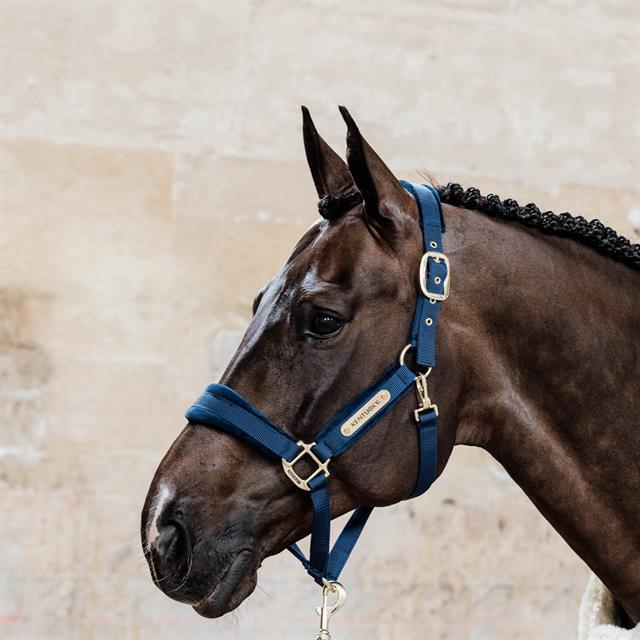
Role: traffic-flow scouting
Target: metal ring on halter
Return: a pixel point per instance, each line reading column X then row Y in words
column 330, row 584
column 404, row 352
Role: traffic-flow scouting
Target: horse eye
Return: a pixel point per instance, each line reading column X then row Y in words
column 324, row 324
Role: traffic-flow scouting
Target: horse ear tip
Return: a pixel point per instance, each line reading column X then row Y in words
column 351, row 125
column 307, row 123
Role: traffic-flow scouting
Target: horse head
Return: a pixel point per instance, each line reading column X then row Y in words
column 326, row 326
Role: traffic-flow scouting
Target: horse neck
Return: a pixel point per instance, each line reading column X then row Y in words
column 546, row 334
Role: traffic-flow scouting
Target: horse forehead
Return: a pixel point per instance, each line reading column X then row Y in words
column 338, row 254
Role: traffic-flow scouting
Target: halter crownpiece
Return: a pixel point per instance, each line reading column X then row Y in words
column 219, row 407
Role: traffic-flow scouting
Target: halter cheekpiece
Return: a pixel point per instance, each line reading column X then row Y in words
column 220, row 407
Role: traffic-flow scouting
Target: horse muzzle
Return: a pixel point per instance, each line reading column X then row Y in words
column 211, row 571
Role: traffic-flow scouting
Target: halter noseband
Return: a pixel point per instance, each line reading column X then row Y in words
column 220, row 407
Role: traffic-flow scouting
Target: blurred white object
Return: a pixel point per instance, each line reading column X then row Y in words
column 596, row 615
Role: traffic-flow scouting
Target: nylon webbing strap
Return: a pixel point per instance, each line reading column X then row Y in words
column 332, row 441
column 423, row 332
column 222, row 407
column 321, row 526
column 427, row 451
column 337, row 558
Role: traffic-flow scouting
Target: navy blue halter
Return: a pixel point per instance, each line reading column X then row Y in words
column 220, row 407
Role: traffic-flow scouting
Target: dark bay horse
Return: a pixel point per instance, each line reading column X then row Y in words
column 538, row 362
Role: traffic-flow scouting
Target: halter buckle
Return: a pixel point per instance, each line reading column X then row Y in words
column 307, row 450
column 424, row 275
column 424, row 401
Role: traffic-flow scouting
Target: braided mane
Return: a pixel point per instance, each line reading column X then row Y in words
column 594, row 234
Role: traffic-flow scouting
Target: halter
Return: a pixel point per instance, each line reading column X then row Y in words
column 220, row 407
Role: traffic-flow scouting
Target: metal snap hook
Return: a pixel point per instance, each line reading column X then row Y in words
column 327, row 610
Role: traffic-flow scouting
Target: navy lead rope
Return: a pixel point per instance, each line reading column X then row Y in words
column 220, row 407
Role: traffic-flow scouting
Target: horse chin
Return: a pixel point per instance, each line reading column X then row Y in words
column 236, row 585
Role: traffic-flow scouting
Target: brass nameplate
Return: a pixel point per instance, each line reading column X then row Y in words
column 365, row 413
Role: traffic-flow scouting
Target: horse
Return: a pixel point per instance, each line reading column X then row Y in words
column 538, row 350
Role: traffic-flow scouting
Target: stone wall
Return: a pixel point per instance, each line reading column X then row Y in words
column 153, row 179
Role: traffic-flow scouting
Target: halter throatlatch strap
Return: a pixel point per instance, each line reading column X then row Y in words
column 220, row 407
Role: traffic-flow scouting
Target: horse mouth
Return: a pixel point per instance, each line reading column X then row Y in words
column 237, row 583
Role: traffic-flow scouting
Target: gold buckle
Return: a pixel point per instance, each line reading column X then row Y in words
column 303, row 483
column 424, row 263
column 424, row 402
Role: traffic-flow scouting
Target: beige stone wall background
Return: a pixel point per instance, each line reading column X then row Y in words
column 153, row 179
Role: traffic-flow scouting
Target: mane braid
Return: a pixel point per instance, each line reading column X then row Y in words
column 593, row 234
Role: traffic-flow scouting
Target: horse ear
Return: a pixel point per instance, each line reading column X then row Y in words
column 385, row 200
column 329, row 171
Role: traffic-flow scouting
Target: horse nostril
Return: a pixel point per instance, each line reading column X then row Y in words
column 171, row 549
column 168, row 541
